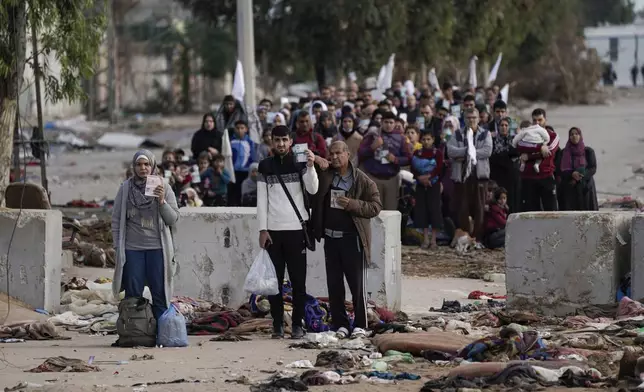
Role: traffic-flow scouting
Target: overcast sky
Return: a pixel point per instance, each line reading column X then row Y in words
column 639, row 4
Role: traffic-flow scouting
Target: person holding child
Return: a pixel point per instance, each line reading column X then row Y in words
column 427, row 166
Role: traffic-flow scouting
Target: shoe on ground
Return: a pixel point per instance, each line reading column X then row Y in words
column 342, row 333
column 358, row 333
column 278, row 333
column 297, row 333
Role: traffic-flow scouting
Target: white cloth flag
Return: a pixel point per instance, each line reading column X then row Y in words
column 390, row 71
column 505, row 92
column 238, row 82
column 495, row 71
column 227, row 152
column 433, row 79
column 472, row 80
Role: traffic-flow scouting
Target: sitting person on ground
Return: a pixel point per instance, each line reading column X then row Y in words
column 495, row 219
column 141, row 229
column 532, row 136
column 427, row 166
column 249, row 187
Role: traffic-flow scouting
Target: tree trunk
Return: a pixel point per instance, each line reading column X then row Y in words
column 10, row 88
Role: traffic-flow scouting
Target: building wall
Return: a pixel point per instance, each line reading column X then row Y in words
column 629, row 40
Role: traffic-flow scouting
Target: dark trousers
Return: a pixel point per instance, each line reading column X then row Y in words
column 234, row 190
column 495, row 239
column 288, row 251
column 539, row 194
column 470, row 198
column 344, row 257
column 145, row 268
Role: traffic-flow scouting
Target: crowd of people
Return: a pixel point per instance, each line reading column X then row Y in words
column 446, row 158
column 451, row 161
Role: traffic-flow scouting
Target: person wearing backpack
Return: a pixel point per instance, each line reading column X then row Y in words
column 142, row 225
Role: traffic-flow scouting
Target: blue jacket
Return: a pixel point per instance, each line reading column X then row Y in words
column 244, row 152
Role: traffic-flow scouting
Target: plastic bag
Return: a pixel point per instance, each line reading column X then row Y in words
column 262, row 278
column 172, row 330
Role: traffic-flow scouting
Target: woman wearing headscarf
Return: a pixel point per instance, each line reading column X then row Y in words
column 576, row 168
column 207, row 138
column 325, row 126
column 142, row 231
column 504, row 169
column 348, row 134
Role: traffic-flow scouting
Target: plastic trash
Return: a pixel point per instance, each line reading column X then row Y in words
column 380, row 366
column 262, row 278
column 302, row 364
column 324, row 338
column 353, row 344
column 172, row 330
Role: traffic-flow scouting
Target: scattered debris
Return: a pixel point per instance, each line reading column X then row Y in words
column 63, row 364
column 144, row 357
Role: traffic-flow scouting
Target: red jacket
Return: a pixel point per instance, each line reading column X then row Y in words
column 495, row 218
column 547, row 166
column 314, row 140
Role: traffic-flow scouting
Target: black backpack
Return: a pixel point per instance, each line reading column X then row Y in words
column 136, row 325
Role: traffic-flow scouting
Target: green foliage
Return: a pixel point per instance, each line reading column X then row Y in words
column 71, row 31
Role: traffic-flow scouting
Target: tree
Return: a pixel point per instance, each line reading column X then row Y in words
column 73, row 32
column 595, row 12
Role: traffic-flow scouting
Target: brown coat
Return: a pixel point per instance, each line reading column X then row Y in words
column 364, row 205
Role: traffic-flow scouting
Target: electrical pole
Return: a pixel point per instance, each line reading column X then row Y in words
column 246, row 48
column 111, row 64
column 43, row 149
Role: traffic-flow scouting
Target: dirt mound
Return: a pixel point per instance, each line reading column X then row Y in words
column 445, row 262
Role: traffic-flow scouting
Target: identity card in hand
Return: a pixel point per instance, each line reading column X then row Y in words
column 151, row 183
column 335, row 194
column 300, row 152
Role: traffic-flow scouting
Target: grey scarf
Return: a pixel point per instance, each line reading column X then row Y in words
column 137, row 195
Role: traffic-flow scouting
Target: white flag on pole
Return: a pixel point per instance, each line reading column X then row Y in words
column 472, row 79
column 505, row 92
column 495, row 71
column 227, row 152
column 238, row 82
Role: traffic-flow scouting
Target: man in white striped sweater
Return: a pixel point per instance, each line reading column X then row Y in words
column 280, row 228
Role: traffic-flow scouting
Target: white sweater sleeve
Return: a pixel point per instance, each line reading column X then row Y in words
column 310, row 179
column 517, row 138
column 262, row 203
column 543, row 134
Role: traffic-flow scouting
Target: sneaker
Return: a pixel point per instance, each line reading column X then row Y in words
column 342, row 333
column 278, row 333
column 358, row 333
column 479, row 246
column 298, row 332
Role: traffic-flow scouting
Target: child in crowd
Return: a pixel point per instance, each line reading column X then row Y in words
column 413, row 136
column 492, row 186
column 495, row 219
column 180, row 155
column 249, row 187
column 189, row 198
column 532, row 136
column 264, row 150
column 427, row 165
column 214, row 180
column 244, row 154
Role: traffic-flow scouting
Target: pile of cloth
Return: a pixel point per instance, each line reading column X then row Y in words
column 317, row 315
column 31, row 330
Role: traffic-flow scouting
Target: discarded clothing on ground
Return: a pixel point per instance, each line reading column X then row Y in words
column 316, row 377
column 343, row 360
column 512, row 376
column 229, row 337
column 31, row 330
column 526, row 345
column 483, row 295
column 629, row 308
column 392, row 376
column 215, row 323
column 279, row 384
column 62, row 364
column 86, row 324
column 454, row 307
column 415, row 343
column 517, row 317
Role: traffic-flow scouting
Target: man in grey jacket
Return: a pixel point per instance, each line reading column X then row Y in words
column 469, row 151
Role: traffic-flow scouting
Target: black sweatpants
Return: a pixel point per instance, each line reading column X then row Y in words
column 344, row 257
column 538, row 194
column 234, row 189
column 288, row 251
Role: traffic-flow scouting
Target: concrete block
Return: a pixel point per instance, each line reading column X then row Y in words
column 34, row 262
column 637, row 257
column 216, row 247
column 559, row 261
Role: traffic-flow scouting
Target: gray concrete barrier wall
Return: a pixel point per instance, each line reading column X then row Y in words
column 34, row 262
column 559, row 261
column 216, row 247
